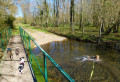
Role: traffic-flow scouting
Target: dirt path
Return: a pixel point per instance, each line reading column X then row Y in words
column 42, row 37
column 9, row 68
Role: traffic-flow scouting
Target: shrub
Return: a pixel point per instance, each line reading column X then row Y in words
column 10, row 21
column 32, row 24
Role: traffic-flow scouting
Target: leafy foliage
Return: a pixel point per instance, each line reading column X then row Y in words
column 10, row 21
column 8, row 9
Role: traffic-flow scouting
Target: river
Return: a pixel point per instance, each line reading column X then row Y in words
column 69, row 53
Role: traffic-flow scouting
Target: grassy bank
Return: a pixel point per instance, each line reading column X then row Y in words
column 91, row 34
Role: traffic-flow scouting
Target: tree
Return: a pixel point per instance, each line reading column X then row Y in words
column 103, row 15
column 46, row 12
column 72, row 15
column 25, row 5
column 10, row 20
column 81, row 11
column 8, row 10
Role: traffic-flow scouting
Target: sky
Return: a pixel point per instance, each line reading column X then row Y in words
column 20, row 13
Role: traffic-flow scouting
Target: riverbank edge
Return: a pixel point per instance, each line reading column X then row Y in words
column 82, row 38
column 101, row 44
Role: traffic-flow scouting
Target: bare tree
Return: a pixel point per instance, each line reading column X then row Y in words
column 81, row 11
column 72, row 15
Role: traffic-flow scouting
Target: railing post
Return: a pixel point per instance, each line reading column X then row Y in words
column 20, row 30
column 22, row 34
column 6, row 37
column 10, row 32
column 30, row 50
column 2, row 42
column 25, row 40
column 45, row 66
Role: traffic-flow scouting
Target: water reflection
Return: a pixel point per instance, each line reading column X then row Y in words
column 67, row 54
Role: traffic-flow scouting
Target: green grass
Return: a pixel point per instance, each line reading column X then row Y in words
column 25, row 26
column 112, row 37
column 15, row 31
column 36, row 70
column 90, row 33
column 77, row 34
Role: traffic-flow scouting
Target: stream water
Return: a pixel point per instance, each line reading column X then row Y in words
column 69, row 53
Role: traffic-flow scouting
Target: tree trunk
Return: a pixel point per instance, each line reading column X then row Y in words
column 83, row 30
column 94, row 13
column 72, row 15
column 118, row 25
column 57, row 13
column 46, row 13
column 54, row 14
column 103, row 25
column 63, row 2
column 80, row 26
column 100, row 30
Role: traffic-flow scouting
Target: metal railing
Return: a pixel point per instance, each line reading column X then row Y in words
column 27, row 39
column 5, row 36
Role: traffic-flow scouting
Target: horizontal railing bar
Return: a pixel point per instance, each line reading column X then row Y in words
column 56, row 65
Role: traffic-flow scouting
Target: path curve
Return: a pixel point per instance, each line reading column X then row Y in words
column 42, row 37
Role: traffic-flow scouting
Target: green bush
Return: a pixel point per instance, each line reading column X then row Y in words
column 33, row 24
column 10, row 21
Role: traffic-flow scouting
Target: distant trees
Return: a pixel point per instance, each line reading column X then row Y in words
column 102, row 14
column 25, row 5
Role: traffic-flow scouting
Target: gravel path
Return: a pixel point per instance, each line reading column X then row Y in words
column 9, row 68
column 42, row 37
